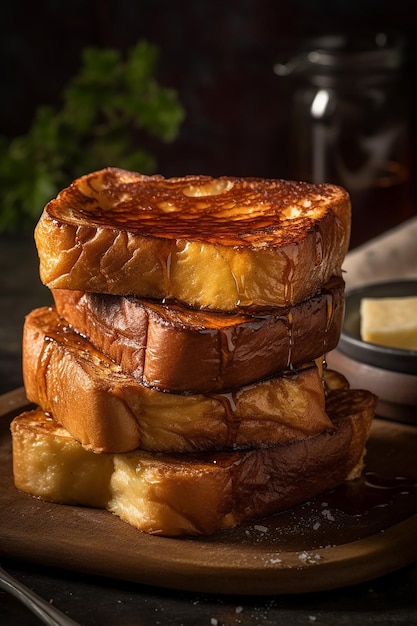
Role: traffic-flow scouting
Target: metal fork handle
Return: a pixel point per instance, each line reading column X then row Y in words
column 42, row 609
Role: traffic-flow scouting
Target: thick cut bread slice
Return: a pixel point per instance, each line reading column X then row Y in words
column 187, row 493
column 108, row 411
column 211, row 243
column 178, row 349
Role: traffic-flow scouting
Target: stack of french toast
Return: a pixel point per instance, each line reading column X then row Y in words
column 180, row 379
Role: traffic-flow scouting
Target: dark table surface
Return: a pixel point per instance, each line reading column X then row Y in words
column 89, row 600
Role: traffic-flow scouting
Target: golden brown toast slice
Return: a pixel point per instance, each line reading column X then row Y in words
column 174, row 348
column 211, row 243
column 109, row 411
column 177, row 494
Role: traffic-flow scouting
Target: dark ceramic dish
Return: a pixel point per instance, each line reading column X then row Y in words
column 351, row 344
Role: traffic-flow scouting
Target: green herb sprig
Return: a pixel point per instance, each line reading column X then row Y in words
column 106, row 109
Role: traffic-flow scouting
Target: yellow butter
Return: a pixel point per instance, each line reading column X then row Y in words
column 390, row 322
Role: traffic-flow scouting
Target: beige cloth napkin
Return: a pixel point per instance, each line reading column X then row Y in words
column 390, row 256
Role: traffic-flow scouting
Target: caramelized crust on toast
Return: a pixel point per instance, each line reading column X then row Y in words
column 191, row 494
column 178, row 349
column 210, row 243
column 108, row 411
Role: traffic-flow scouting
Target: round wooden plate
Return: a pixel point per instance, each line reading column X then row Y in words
column 353, row 534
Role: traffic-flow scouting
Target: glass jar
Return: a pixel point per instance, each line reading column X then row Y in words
column 351, row 125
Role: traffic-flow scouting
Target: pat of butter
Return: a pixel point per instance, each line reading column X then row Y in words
column 390, row 322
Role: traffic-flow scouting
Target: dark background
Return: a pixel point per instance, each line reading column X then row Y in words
column 217, row 55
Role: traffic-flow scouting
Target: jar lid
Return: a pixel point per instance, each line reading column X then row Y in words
column 365, row 52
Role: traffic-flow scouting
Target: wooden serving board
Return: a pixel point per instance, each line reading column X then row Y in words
column 350, row 535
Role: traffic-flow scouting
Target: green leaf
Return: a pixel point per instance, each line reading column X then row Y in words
column 141, row 66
